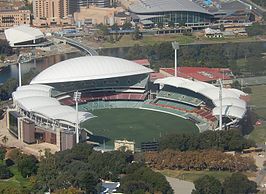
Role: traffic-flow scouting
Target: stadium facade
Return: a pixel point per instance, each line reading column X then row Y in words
column 43, row 110
column 176, row 11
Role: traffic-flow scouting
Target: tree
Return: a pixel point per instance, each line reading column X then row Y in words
column 5, row 172
column 127, row 26
column 207, row 185
column 136, row 35
column 87, row 182
column 239, row 184
column 2, row 153
column 27, row 165
column 5, row 139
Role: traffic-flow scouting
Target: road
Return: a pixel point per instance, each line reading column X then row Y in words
column 180, row 186
column 258, row 10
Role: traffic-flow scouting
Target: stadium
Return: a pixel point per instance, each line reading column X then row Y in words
column 176, row 11
column 143, row 110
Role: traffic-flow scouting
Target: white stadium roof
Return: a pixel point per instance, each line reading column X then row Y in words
column 89, row 68
column 35, row 87
column 37, row 100
column 231, row 111
column 233, row 106
column 22, row 33
column 158, row 6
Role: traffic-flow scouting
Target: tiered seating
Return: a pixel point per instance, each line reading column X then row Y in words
column 205, row 113
column 175, row 104
column 155, row 107
column 92, row 105
column 105, row 96
column 179, row 97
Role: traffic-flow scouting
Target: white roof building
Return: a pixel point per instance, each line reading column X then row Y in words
column 233, row 106
column 37, row 100
column 21, row 34
column 89, row 68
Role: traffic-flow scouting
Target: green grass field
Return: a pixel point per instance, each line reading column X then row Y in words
column 15, row 183
column 258, row 102
column 193, row 175
column 135, row 124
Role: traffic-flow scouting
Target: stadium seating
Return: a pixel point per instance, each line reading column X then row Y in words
column 105, row 96
column 178, row 105
column 94, row 105
column 179, row 97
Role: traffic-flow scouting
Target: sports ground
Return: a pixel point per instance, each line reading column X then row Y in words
column 135, row 125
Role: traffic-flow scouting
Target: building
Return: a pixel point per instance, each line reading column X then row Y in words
column 51, row 12
column 205, row 74
column 24, row 36
column 43, row 112
column 38, row 117
column 95, row 15
column 97, row 3
column 213, row 33
column 183, row 12
column 230, row 11
column 125, row 145
column 76, row 5
column 10, row 18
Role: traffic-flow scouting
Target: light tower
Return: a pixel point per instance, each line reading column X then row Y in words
column 19, row 70
column 175, row 46
column 221, row 104
column 77, row 96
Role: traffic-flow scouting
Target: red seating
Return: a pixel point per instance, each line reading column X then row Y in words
column 86, row 97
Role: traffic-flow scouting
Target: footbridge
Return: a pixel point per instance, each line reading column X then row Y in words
column 89, row 50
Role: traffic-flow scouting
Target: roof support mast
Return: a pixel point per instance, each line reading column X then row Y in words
column 77, row 96
column 175, row 46
column 221, row 104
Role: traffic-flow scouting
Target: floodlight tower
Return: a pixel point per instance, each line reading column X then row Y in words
column 175, row 46
column 221, row 104
column 77, row 96
column 19, row 70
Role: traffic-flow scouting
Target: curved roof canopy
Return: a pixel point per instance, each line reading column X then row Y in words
column 36, row 99
column 89, row 68
column 44, row 88
column 23, row 33
column 230, row 111
column 158, row 6
column 233, row 106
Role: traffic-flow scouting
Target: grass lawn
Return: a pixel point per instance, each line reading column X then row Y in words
column 194, row 175
column 135, row 124
column 258, row 134
column 258, row 100
column 126, row 41
column 16, row 182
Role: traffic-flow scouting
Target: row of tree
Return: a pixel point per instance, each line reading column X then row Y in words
column 212, row 55
column 237, row 183
column 82, row 168
column 230, row 140
column 199, row 160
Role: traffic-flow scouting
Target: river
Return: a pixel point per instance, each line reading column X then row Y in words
column 42, row 63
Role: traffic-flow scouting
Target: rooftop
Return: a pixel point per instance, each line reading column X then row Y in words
column 204, row 74
column 89, row 68
column 151, row 6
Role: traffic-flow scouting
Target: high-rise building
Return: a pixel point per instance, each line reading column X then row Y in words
column 50, row 12
column 10, row 18
column 97, row 3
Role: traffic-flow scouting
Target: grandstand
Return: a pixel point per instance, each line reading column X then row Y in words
column 113, row 83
